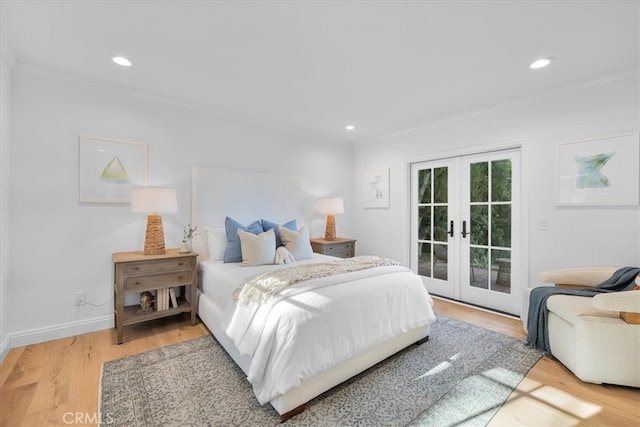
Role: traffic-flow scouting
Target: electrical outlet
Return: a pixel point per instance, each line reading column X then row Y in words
column 81, row 299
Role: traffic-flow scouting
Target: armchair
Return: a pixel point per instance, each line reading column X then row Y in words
column 597, row 338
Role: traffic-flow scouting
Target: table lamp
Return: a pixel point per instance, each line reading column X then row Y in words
column 154, row 201
column 330, row 207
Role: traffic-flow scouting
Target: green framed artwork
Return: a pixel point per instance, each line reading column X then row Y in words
column 108, row 169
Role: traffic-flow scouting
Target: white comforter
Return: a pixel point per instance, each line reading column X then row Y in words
column 318, row 324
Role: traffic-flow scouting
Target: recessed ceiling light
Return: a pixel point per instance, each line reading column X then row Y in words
column 349, row 127
column 121, row 60
column 541, row 63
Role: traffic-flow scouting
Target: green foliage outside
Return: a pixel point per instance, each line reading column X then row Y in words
column 481, row 208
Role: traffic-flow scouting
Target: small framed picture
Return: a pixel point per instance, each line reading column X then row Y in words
column 108, row 169
column 599, row 172
column 376, row 188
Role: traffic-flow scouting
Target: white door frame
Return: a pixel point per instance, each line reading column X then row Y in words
column 521, row 280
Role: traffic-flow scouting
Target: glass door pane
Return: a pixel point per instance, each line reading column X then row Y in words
column 431, row 248
column 425, row 265
column 433, row 218
column 490, row 220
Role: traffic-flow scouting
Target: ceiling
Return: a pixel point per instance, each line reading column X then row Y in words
column 316, row 66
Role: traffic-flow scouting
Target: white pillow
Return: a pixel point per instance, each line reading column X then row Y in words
column 257, row 249
column 297, row 242
column 217, row 242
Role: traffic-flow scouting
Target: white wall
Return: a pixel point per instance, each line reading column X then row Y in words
column 6, row 62
column 60, row 247
column 576, row 236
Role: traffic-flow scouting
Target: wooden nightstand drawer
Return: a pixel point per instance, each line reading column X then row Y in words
column 155, row 281
column 348, row 254
column 157, row 266
column 338, row 247
column 341, row 247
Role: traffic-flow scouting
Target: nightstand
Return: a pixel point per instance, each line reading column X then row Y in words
column 135, row 272
column 341, row 247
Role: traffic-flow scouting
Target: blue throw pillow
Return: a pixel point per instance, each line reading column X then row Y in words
column 233, row 252
column 268, row 225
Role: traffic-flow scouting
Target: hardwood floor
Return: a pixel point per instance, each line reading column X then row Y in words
column 550, row 395
column 56, row 383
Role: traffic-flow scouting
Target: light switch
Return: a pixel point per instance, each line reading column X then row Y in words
column 543, row 224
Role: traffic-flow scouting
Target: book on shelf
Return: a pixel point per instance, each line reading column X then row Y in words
column 174, row 300
column 165, row 299
column 162, row 297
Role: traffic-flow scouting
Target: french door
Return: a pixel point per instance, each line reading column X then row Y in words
column 465, row 227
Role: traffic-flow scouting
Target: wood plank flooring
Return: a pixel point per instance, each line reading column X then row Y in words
column 56, row 383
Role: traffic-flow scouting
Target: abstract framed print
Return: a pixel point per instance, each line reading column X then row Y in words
column 599, row 172
column 108, row 169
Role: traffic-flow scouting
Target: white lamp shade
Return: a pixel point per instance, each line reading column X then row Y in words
column 154, row 200
column 331, row 206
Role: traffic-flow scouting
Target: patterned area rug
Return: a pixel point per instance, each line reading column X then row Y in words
column 460, row 377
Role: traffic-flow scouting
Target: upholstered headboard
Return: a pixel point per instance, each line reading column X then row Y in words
column 243, row 195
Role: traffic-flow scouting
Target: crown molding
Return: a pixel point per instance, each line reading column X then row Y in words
column 259, row 122
column 607, row 78
column 177, row 103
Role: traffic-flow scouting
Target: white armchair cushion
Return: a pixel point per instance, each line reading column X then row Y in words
column 570, row 307
column 587, row 276
column 628, row 301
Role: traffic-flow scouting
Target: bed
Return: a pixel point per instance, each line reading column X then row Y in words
column 311, row 336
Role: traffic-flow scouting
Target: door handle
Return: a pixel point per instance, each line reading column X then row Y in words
column 464, row 229
column 451, row 229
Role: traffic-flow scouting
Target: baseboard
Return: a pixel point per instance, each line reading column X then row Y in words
column 478, row 307
column 64, row 330
column 5, row 347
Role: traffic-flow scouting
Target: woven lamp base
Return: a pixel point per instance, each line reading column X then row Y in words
column 154, row 238
column 330, row 230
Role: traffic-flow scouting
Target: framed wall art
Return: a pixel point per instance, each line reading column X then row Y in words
column 108, row 169
column 376, row 188
column 599, row 172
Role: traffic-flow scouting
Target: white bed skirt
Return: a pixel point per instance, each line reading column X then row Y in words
column 314, row 386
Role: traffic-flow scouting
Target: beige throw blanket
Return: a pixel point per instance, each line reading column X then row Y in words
column 263, row 287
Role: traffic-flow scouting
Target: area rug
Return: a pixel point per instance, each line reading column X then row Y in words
column 460, row 377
